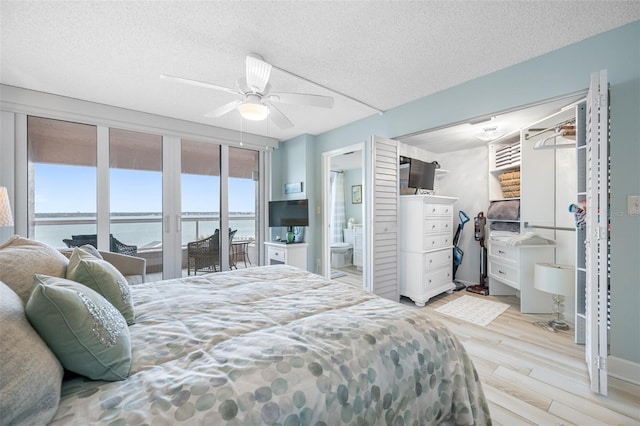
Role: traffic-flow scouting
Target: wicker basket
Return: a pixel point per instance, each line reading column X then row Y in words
column 510, row 184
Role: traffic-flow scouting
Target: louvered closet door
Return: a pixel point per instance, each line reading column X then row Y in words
column 597, row 238
column 383, row 211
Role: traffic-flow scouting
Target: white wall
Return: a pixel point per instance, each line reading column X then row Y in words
column 467, row 180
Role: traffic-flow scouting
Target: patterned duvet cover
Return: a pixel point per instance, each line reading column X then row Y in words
column 277, row 345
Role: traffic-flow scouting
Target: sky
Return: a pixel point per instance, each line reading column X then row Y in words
column 72, row 189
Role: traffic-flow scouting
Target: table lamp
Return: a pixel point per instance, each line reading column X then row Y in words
column 559, row 281
column 6, row 218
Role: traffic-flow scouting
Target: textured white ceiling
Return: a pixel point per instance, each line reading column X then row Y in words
column 385, row 53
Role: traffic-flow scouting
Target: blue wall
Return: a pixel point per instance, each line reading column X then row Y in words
column 564, row 71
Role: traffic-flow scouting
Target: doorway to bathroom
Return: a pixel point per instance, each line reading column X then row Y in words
column 343, row 217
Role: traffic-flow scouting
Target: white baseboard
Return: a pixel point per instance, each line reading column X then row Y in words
column 623, row 370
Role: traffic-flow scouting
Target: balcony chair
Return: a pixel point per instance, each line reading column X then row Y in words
column 115, row 245
column 204, row 255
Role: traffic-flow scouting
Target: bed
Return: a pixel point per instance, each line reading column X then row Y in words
column 278, row 345
column 269, row 345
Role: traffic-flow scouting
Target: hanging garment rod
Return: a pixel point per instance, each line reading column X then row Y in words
column 542, row 143
column 554, row 228
column 548, row 129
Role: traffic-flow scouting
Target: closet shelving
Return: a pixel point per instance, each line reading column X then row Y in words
column 504, row 156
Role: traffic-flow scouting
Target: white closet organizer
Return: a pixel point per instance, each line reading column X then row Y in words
column 510, row 271
column 426, row 236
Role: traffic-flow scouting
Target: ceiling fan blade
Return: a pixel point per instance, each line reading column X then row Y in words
column 302, row 99
column 201, row 84
column 278, row 117
column 220, row 111
column 258, row 72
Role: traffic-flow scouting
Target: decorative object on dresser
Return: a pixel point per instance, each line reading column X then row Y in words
column 559, row 281
column 426, row 246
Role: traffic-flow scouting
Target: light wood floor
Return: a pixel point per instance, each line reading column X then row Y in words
column 533, row 376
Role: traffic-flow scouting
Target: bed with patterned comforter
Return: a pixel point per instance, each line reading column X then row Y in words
column 277, row 345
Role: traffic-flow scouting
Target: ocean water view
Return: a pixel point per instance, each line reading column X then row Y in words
column 142, row 230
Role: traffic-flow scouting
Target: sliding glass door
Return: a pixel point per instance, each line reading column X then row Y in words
column 188, row 207
column 62, row 180
column 200, row 187
column 244, row 206
column 135, row 196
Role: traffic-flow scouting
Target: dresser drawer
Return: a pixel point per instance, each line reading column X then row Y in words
column 505, row 273
column 431, row 242
column 277, row 254
column 436, row 226
column 437, row 259
column 502, row 252
column 438, row 209
column 437, row 278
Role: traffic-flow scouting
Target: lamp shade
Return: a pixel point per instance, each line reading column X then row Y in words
column 554, row 279
column 6, row 218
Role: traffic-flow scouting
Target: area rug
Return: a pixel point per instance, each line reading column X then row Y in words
column 337, row 274
column 473, row 309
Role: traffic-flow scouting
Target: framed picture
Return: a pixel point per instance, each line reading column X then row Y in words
column 292, row 188
column 356, row 194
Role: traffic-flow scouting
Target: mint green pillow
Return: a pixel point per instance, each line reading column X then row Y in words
column 85, row 332
column 103, row 277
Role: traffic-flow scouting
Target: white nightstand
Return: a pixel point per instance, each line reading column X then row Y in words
column 288, row 254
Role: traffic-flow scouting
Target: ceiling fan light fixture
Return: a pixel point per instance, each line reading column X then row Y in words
column 254, row 111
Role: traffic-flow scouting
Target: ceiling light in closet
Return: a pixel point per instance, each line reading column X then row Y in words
column 490, row 133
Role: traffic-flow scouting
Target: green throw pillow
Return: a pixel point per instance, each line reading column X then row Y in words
column 103, row 277
column 88, row 335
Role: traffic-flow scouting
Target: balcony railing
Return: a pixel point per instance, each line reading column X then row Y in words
column 144, row 231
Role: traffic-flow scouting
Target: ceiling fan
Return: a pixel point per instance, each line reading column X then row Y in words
column 257, row 101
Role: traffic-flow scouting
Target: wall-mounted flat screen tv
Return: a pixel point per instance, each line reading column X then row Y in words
column 289, row 213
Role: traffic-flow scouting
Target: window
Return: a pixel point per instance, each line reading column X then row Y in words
column 62, row 180
column 135, row 199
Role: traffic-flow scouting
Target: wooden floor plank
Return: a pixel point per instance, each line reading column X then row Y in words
column 533, row 376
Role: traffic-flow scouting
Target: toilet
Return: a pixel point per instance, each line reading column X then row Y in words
column 341, row 254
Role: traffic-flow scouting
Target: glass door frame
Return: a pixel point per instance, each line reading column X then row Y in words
column 171, row 193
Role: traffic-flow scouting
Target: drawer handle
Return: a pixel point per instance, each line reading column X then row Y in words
column 502, row 252
column 430, row 260
column 433, row 211
column 501, row 272
column 433, row 226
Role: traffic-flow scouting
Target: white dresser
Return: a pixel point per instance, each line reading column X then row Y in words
column 289, row 254
column 510, row 271
column 426, row 237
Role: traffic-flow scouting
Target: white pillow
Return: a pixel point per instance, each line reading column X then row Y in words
column 21, row 258
column 30, row 374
